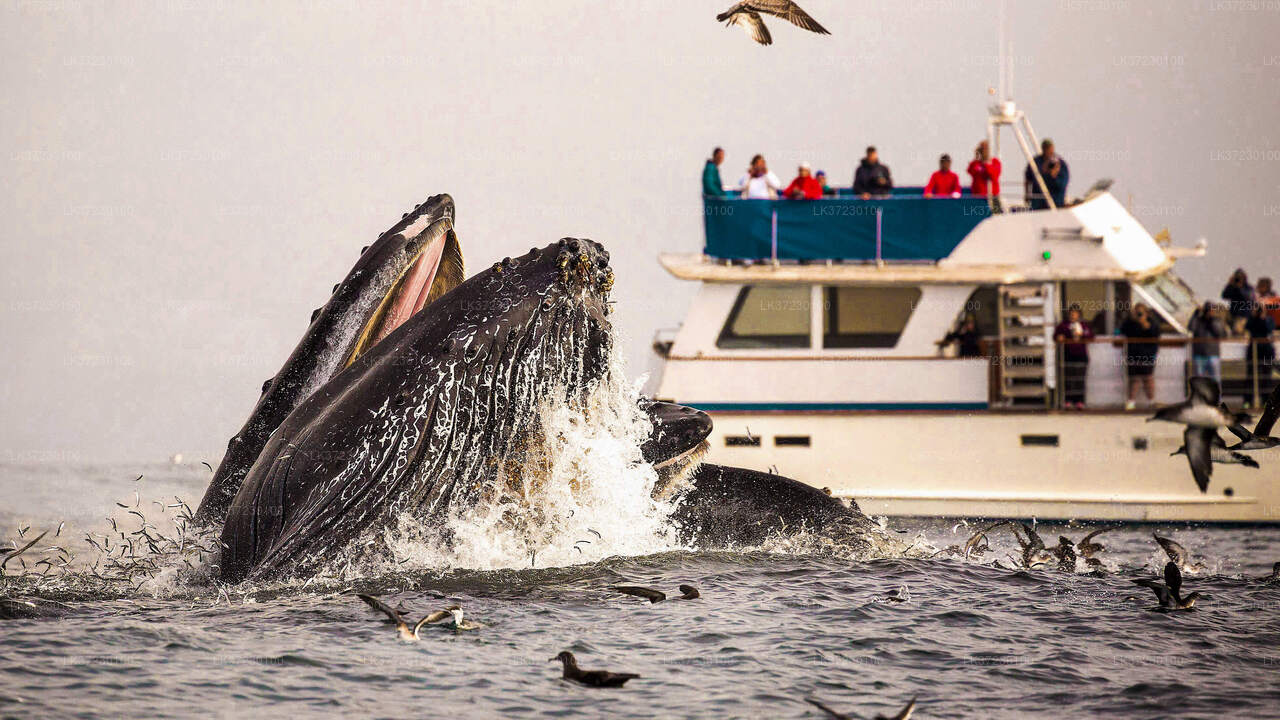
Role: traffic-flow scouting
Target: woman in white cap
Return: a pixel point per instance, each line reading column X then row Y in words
column 805, row 186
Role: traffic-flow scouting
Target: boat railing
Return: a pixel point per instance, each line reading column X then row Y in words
column 903, row 226
column 1246, row 370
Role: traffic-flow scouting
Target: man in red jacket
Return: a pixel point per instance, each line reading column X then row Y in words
column 943, row 183
column 805, row 186
column 985, row 171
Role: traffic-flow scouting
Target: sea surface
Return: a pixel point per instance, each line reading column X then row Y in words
column 773, row 627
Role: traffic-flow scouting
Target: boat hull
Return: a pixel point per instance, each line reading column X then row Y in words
column 1060, row 465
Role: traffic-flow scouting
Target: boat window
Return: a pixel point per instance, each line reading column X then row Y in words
column 768, row 316
column 866, row 317
column 1170, row 294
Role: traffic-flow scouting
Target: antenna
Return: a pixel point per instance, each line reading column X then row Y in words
column 1000, row 34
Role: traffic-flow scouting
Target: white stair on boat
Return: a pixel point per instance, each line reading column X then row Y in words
column 1024, row 312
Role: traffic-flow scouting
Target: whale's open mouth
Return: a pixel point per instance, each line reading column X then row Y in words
column 435, row 269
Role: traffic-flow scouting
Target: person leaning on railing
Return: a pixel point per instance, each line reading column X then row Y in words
column 711, row 185
column 1260, row 356
column 1207, row 329
column 943, row 183
column 1073, row 335
column 1140, row 331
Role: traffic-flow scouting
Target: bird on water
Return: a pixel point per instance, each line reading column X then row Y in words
column 1169, row 592
column 747, row 16
column 593, row 678
column 688, row 592
column 451, row 617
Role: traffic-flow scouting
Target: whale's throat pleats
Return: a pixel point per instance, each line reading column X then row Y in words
column 435, row 269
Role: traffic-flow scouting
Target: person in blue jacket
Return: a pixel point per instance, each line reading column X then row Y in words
column 711, row 184
column 1055, row 173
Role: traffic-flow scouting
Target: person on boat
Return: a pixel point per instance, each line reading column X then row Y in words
column 1073, row 335
column 1260, row 356
column 821, row 177
column 967, row 336
column 1269, row 300
column 805, row 186
column 872, row 179
column 1207, row 330
column 984, row 171
column 1141, row 331
column 1055, row 173
column 759, row 183
column 711, row 185
column 1240, row 297
column 943, row 183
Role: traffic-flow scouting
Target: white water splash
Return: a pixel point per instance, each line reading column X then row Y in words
column 590, row 499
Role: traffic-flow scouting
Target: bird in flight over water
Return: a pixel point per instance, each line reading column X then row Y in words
column 747, row 16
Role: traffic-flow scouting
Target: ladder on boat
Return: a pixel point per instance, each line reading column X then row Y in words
column 1025, row 317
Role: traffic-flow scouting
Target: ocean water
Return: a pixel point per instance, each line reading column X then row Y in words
column 774, row 626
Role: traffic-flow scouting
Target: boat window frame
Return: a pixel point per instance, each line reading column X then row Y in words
column 764, row 342
column 828, row 303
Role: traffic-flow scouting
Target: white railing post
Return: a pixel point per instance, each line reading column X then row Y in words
column 773, row 232
column 879, row 237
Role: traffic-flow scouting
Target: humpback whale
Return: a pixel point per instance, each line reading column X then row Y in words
column 416, row 393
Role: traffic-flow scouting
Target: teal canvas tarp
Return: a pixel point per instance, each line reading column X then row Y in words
column 912, row 227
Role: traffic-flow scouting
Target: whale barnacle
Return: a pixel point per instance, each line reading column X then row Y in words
column 497, row 267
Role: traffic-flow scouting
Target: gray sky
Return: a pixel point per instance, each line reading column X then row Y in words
column 184, row 181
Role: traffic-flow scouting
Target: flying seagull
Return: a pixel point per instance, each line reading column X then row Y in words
column 747, row 16
column 1260, row 438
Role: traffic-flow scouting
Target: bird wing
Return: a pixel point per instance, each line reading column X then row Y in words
column 653, row 596
column 789, row 11
column 1094, row 534
column 1173, row 549
column 1269, row 413
column 432, row 618
column 750, row 22
column 1036, row 541
column 1173, row 578
column 1162, row 592
column 377, row 604
column 905, row 714
column 1199, row 444
column 1205, row 389
column 1244, row 460
column 830, row 713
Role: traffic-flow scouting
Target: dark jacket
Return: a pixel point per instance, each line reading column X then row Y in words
column 1259, row 328
column 1073, row 351
column 969, row 340
column 1057, row 186
column 1239, row 299
column 872, row 178
column 1206, row 332
column 711, row 184
column 1134, row 331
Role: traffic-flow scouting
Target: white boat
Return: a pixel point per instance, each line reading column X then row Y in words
column 813, row 341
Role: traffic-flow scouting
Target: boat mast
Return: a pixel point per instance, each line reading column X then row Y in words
column 1005, row 113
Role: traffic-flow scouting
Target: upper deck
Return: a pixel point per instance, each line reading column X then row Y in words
column 914, row 239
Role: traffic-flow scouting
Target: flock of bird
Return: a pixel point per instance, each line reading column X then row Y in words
column 1204, row 414
column 452, row 618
